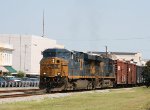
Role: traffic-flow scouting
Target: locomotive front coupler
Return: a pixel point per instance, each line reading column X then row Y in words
column 58, row 78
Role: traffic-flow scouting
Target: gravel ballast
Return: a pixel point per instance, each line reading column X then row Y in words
column 51, row 96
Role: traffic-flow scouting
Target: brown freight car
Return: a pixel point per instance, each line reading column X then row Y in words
column 121, row 72
column 131, row 74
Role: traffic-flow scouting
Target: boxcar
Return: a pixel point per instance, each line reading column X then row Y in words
column 121, row 72
column 131, row 73
column 139, row 77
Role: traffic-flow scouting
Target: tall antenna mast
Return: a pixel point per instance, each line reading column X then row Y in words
column 106, row 51
column 43, row 25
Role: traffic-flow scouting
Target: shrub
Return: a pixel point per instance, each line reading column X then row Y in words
column 146, row 74
column 20, row 74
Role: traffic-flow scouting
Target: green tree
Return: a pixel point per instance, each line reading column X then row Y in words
column 146, row 74
column 20, row 74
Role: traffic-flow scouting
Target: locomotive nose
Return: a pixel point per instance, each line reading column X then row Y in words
column 51, row 67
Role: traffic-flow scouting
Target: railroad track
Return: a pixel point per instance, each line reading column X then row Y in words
column 18, row 90
column 20, row 93
column 15, row 95
column 33, row 92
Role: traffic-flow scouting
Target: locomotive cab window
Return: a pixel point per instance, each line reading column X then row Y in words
column 58, row 61
column 49, row 54
column 65, row 55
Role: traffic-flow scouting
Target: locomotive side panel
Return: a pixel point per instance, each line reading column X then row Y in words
column 106, row 72
column 108, row 68
column 74, row 69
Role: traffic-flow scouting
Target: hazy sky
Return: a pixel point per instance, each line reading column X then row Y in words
column 84, row 25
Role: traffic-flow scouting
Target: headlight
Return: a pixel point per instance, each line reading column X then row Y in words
column 53, row 60
column 44, row 73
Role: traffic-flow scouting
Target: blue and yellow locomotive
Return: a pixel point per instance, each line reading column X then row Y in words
column 61, row 69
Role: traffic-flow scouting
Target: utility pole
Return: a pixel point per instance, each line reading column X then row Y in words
column 43, row 25
column 106, row 51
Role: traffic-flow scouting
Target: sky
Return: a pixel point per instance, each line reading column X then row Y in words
column 82, row 25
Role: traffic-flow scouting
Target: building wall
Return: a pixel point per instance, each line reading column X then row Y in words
column 39, row 44
column 5, row 57
column 27, row 51
column 6, row 54
column 18, row 42
column 127, row 56
column 137, row 57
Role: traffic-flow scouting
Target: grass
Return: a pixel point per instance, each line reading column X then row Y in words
column 123, row 99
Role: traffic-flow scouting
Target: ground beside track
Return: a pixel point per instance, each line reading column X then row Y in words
column 137, row 98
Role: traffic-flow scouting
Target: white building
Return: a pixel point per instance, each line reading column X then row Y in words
column 27, row 51
column 127, row 56
column 6, row 58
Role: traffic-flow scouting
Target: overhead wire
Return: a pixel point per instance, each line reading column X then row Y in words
column 132, row 38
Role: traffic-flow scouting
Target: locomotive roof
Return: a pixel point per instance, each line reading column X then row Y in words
column 116, row 53
column 56, row 50
column 88, row 56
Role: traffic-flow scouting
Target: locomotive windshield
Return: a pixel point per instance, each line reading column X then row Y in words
column 49, row 54
column 61, row 53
